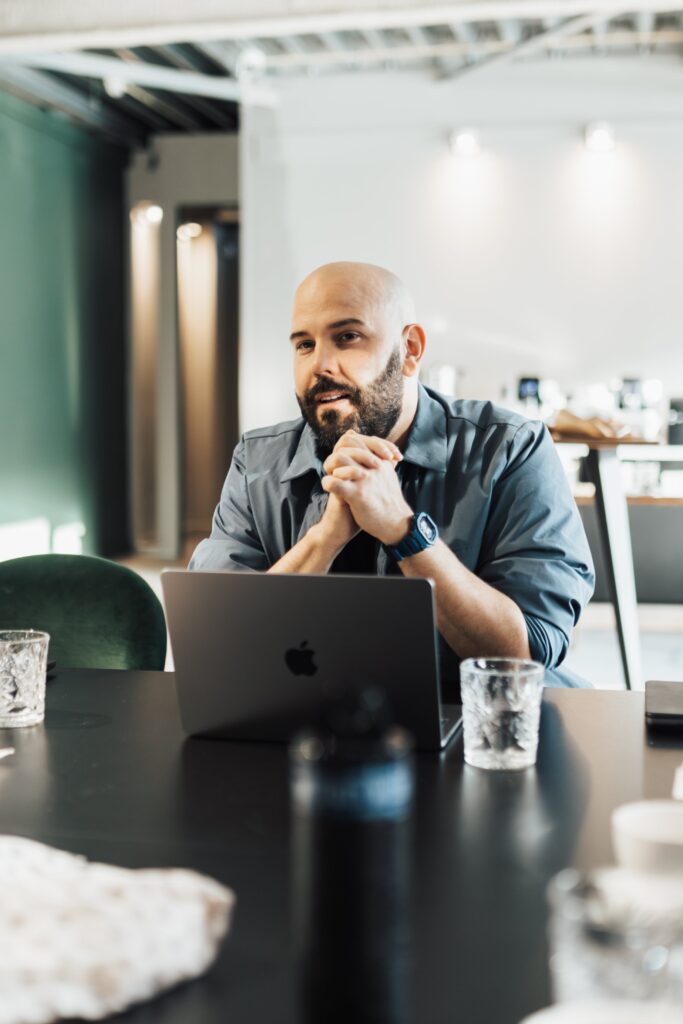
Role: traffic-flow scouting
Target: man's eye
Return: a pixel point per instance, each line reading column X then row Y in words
column 303, row 345
column 348, row 336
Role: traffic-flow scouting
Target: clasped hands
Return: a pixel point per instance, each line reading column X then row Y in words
column 364, row 491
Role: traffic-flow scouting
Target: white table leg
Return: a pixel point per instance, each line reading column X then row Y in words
column 604, row 469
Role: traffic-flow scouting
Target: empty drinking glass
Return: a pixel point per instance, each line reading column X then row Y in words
column 23, row 665
column 611, row 938
column 501, row 705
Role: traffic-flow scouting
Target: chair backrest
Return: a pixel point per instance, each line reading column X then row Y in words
column 98, row 614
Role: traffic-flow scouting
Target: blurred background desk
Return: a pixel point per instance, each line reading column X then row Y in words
column 608, row 526
column 604, row 472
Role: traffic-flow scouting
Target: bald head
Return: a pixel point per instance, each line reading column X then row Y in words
column 362, row 286
column 356, row 352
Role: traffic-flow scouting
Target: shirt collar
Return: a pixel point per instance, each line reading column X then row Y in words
column 426, row 446
column 305, row 457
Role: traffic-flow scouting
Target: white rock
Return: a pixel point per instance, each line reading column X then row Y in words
column 79, row 939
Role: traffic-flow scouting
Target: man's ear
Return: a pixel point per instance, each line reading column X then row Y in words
column 414, row 341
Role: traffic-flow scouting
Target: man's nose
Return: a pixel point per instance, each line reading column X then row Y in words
column 325, row 361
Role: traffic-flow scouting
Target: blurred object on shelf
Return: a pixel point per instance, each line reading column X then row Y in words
column 535, row 397
column 595, row 399
column 640, row 477
column 671, row 483
column 635, row 403
column 675, row 432
column 640, row 405
column 528, row 390
column 630, row 393
column 566, row 424
column 630, row 408
column 528, row 397
column 552, row 398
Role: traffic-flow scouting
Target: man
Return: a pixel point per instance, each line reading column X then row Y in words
column 382, row 475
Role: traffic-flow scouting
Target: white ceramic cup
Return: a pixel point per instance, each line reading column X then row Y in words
column 648, row 836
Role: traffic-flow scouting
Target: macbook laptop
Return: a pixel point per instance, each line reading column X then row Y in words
column 257, row 656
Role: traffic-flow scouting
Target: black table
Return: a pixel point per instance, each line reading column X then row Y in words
column 111, row 776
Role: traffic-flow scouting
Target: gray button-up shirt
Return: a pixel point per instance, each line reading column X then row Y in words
column 490, row 479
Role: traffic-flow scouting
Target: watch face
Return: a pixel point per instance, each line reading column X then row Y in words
column 427, row 528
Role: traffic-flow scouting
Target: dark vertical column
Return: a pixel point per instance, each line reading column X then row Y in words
column 227, row 252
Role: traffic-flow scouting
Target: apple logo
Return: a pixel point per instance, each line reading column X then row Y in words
column 300, row 660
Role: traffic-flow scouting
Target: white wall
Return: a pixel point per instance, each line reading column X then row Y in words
column 535, row 257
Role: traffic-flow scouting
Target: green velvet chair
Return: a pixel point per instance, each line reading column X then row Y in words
column 98, row 614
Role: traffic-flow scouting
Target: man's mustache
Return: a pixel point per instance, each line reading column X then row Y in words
column 326, row 384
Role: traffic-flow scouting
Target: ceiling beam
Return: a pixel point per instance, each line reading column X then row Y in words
column 39, row 26
column 86, row 110
column 329, row 60
column 187, row 56
column 465, row 31
column 293, row 44
column 418, row 35
column 645, row 21
column 157, row 104
column 365, row 56
column 374, row 38
column 92, row 65
column 510, row 29
column 176, row 118
column 129, row 104
column 467, row 34
column 332, row 41
column 209, row 109
column 547, row 38
column 223, row 54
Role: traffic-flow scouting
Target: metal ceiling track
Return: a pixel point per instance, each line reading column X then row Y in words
column 43, row 90
column 190, row 69
column 92, row 65
column 39, row 26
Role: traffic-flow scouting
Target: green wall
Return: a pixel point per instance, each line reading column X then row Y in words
column 62, row 350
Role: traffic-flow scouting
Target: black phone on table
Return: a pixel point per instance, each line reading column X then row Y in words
column 664, row 704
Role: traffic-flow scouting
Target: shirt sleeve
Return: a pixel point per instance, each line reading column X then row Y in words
column 535, row 549
column 234, row 543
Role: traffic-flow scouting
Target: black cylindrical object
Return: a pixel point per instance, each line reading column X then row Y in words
column 352, row 793
column 351, row 898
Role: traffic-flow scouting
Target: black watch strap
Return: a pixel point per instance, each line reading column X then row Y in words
column 423, row 533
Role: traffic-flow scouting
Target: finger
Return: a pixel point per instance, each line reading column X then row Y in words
column 393, row 452
column 383, row 449
column 350, row 457
column 343, row 489
column 338, row 458
column 335, row 497
column 378, row 445
column 349, row 473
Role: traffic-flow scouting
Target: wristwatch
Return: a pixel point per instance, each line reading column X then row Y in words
column 423, row 533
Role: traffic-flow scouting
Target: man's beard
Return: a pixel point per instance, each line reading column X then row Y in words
column 377, row 407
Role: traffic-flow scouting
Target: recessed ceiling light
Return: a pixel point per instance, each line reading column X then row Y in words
column 114, row 87
column 252, row 60
column 465, row 142
column 188, row 231
column 599, row 137
column 146, row 213
column 153, row 213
